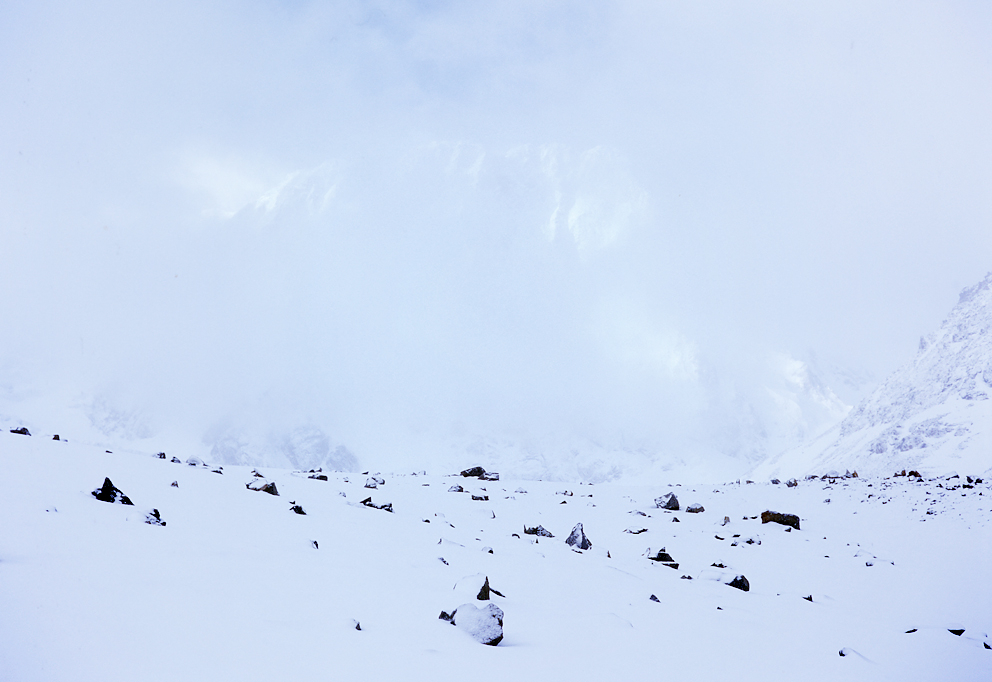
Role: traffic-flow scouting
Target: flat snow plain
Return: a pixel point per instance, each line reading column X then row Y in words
column 232, row 588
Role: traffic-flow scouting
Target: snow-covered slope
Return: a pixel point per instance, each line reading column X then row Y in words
column 933, row 415
column 236, row 586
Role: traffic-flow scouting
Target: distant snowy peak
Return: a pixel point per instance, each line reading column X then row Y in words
column 932, row 414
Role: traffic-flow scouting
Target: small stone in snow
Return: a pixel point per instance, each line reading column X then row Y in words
column 540, row 531
column 654, row 598
column 22, row 431
column 784, row 519
column 668, row 501
column 175, row 484
column 154, row 518
column 297, row 509
column 695, row 508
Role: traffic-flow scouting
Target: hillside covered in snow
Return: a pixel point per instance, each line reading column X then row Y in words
column 933, row 414
column 147, row 567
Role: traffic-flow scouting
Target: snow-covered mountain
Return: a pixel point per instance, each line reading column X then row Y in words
column 933, row 415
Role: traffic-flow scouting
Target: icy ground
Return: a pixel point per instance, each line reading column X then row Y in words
column 233, row 588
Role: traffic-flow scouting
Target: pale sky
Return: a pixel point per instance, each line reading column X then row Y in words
column 481, row 219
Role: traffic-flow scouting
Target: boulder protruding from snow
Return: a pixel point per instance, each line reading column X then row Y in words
column 22, row 431
column 791, row 483
column 489, row 476
column 108, row 492
column 371, row 483
column 263, row 486
column 485, row 625
column 663, row 557
column 154, row 518
column 540, row 531
column 741, row 583
column 577, row 538
column 456, row 489
column 388, row 506
column 695, row 508
column 668, row 501
column 474, row 472
column 784, row 519
column 158, row 455
column 297, row 509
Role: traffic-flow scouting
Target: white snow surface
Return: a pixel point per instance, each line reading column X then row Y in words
column 233, row 588
column 933, row 415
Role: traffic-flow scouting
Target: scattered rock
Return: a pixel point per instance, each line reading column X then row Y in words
column 480, row 498
column 741, row 583
column 784, row 519
column 154, row 518
column 194, row 462
column 775, row 481
column 663, row 558
column 263, row 486
column 456, row 489
column 809, row 598
column 566, row 493
column 485, row 625
column 694, row 508
column 791, row 483
column 22, row 431
column 668, row 501
column 297, row 509
column 108, row 492
column 726, row 520
column 577, row 538
column 318, row 477
column 256, row 473
column 218, row 470
column 371, row 483
column 635, row 531
column 675, row 519
column 176, row 460
column 388, row 506
column 313, row 543
column 654, row 598
column 56, row 437
column 160, row 455
column 474, row 472
column 540, row 531
column 956, row 631
column 175, row 484
column 719, row 565
column 489, row 476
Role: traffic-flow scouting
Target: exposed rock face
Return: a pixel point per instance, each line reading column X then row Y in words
column 741, row 583
column 694, row 509
column 929, row 414
column 108, row 492
column 577, row 538
column 668, row 501
column 538, row 530
column 263, row 486
column 474, row 472
column 784, row 519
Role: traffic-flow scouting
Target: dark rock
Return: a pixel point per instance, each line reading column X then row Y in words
column 675, row 519
column 489, row 476
column 388, row 506
column 956, row 631
column 775, row 481
column 908, row 632
column 915, row 474
column 791, row 483
column 456, row 489
column 218, row 470
column 195, row 462
column 55, row 437
column 313, row 543
column 263, row 486
column 694, row 509
column 444, row 615
column 668, row 501
column 176, row 460
column 809, row 598
column 160, row 455
column 154, row 518
column 474, row 472
column 297, row 509
column 741, row 583
column 484, row 591
column 663, row 558
column 577, row 538
column 256, row 473
column 540, row 531
column 175, row 484
column 22, row 431
column 685, row 577
column 720, row 565
column 108, row 492
column 480, row 498
column 654, row 598
column 318, row 477
column 371, row 483
column 784, row 519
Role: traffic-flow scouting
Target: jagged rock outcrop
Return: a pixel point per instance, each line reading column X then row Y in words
column 934, row 414
column 577, row 538
column 668, row 501
column 108, row 492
